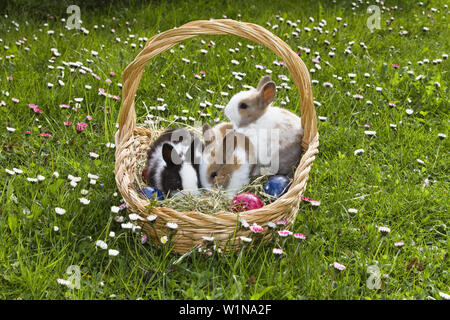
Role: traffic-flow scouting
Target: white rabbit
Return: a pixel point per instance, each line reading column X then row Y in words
column 274, row 132
column 226, row 160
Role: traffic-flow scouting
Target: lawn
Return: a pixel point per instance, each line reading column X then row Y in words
column 381, row 96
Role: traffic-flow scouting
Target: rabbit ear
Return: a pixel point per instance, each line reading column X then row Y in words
column 263, row 81
column 229, row 144
column 267, row 93
column 171, row 158
column 208, row 134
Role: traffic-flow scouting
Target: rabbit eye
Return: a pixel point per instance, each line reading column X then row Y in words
column 213, row 175
column 243, row 106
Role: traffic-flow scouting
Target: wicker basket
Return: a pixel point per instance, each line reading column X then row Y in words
column 132, row 143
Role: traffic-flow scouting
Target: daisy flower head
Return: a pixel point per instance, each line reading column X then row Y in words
column 339, row 267
column 64, row 282
column 384, row 230
column 277, row 251
column 164, row 239
column 399, row 244
column 172, row 225
column 115, row 209
column 284, row 233
column 256, row 228
column 101, row 244
column 271, row 225
column 113, row 252
column 444, row 295
column 245, row 239
column 300, row 236
column 244, row 223
column 60, row 211
column 281, row 223
column 84, row 201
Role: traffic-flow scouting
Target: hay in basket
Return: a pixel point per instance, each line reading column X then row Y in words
column 132, row 143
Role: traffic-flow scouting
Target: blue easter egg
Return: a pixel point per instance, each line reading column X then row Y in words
column 277, row 185
column 152, row 192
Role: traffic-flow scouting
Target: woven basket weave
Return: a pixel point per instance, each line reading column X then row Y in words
column 132, row 143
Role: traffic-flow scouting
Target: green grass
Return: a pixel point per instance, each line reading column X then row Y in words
column 33, row 256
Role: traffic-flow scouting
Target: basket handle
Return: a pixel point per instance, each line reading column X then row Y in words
column 167, row 39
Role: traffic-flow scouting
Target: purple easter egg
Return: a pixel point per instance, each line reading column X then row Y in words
column 246, row 201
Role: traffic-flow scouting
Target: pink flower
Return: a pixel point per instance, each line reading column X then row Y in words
column 68, row 123
column 396, row 65
column 284, row 233
column 44, row 134
column 112, row 74
column 202, row 72
column 27, row 132
column 338, row 266
column 299, row 236
column 313, row 202
column 256, row 229
column 89, row 117
column 33, row 106
column 37, row 110
column 81, row 126
column 10, row 78
column 63, row 106
column 281, row 222
column 15, row 100
column 391, row 104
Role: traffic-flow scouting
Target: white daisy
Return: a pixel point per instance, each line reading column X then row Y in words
column 60, row 211
column 84, row 201
column 101, row 244
column 113, row 252
column 172, row 225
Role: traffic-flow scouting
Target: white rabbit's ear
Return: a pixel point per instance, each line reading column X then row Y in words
column 267, row 93
column 263, row 81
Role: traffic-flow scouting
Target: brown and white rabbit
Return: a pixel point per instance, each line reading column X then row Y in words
column 173, row 161
column 227, row 161
column 275, row 133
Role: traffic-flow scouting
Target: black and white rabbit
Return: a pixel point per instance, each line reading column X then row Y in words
column 275, row 133
column 173, row 162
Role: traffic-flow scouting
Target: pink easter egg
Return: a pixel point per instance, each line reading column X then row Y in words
column 246, row 201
